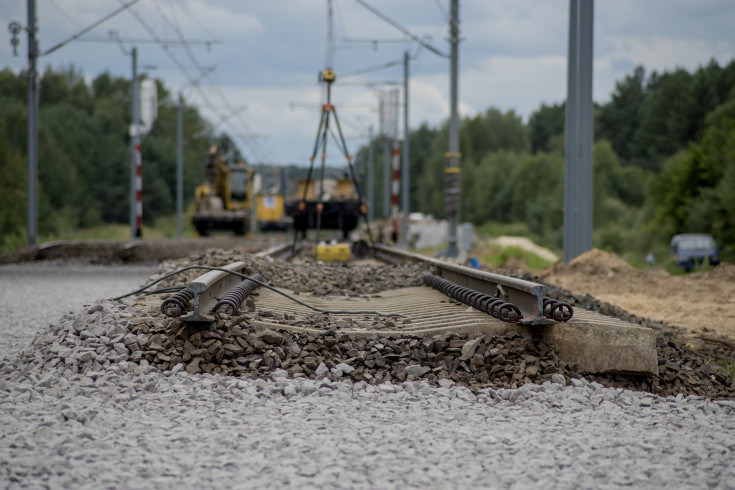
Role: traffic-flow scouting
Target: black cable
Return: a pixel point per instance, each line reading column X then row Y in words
column 87, row 29
column 172, row 289
column 405, row 31
column 260, row 283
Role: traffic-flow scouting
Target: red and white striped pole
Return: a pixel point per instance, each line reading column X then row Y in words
column 394, row 189
column 138, row 192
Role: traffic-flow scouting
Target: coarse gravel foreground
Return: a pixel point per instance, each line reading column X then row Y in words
column 77, row 412
column 148, row 430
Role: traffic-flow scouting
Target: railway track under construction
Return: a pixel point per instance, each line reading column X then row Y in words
column 444, row 321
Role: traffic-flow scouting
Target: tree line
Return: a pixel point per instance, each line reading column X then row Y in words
column 664, row 163
column 84, row 154
column 664, row 160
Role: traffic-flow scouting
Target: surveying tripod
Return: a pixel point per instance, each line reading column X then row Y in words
column 327, row 76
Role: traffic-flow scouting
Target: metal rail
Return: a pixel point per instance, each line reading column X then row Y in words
column 526, row 295
column 284, row 251
column 230, row 302
column 526, row 300
column 209, row 288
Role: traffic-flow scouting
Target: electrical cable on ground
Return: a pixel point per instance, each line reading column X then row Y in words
column 260, row 283
column 172, row 289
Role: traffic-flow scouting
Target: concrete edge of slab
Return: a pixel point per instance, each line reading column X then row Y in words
column 596, row 344
column 604, row 347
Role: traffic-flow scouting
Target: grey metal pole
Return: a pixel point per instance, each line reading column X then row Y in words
column 253, row 208
column 571, row 160
column 282, row 182
column 32, row 127
column 578, row 167
column 452, row 157
column 386, row 177
column 386, row 160
column 370, row 175
column 406, row 146
column 179, row 165
column 134, row 119
column 586, row 120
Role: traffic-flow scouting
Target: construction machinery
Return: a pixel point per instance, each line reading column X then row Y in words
column 326, row 204
column 323, row 204
column 270, row 212
column 224, row 201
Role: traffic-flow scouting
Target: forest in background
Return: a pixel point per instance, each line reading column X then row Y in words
column 664, row 163
column 84, row 154
column 664, row 160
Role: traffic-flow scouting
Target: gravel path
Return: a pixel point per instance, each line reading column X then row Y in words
column 74, row 415
column 58, row 288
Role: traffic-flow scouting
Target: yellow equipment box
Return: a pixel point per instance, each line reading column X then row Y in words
column 269, row 207
column 339, row 252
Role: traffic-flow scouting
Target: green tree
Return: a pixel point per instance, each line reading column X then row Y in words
column 695, row 190
column 421, row 144
column 84, row 153
column 492, row 131
column 546, row 128
column 67, row 86
column 619, row 119
column 13, row 184
column 430, row 190
column 13, row 86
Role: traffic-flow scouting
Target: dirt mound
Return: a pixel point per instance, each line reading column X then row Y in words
column 516, row 264
column 723, row 272
column 698, row 302
column 595, row 263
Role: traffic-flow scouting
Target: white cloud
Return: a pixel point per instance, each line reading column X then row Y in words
column 513, row 53
column 218, row 20
column 284, row 121
column 660, row 53
column 428, row 100
column 508, row 82
column 518, row 83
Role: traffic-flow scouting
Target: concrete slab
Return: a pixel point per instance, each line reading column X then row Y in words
column 596, row 343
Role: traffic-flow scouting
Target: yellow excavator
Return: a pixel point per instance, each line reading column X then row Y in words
column 224, row 201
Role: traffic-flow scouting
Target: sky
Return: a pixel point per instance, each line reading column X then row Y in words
column 256, row 78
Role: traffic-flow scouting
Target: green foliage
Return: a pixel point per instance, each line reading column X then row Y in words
column 649, row 120
column 546, row 126
column 13, row 182
column 494, row 229
column 695, row 191
column 514, row 175
column 13, row 86
column 430, row 191
column 166, row 225
column 480, row 136
column 422, row 149
column 65, row 86
column 84, row 155
column 724, row 366
column 664, row 161
column 493, row 131
column 619, row 120
column 497, row 257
